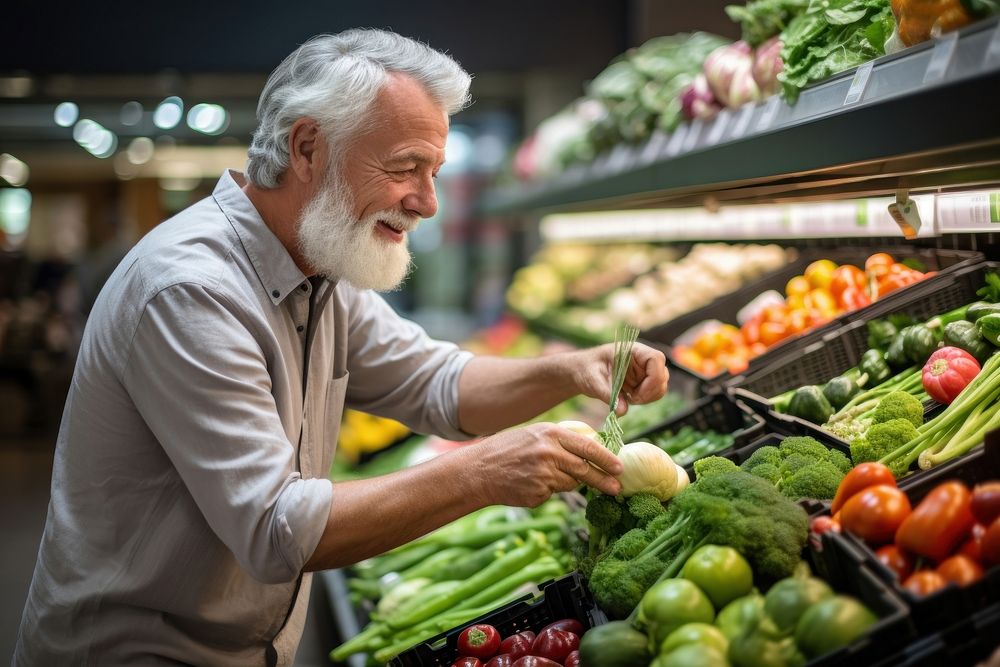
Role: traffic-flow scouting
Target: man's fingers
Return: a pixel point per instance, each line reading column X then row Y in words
column 591, row 451
column 601, row 481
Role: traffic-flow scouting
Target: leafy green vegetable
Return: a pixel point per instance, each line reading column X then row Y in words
column 763, row 19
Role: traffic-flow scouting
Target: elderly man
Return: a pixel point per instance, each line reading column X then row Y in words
column 189, row 493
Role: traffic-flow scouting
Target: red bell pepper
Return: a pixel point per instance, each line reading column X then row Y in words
column 947, row 373
column 939, row 524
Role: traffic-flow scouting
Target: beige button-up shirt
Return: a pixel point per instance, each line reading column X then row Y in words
column 190, row 478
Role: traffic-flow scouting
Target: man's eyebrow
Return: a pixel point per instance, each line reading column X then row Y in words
column 415, row 156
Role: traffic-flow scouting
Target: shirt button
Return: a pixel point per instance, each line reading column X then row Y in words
column 275, row 294
column 299, row 328
column 303, row 287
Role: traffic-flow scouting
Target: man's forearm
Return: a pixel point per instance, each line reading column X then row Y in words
column 496, row 393
column 369, row 517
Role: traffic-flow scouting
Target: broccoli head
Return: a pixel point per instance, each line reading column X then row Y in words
column 819, row 481
column 882, row 439
column 630, row 545
column 618, row 585
column 644, row 507
column 839, row 460
column 766, row 454
column 794, row 463
column 804, row 446
column 713, row 465
column 603, row 512
column 899, row 405
column 768, row 471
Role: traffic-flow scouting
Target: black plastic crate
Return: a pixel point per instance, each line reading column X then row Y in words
column 565, row 597
column 716, row 412
column 726, row 307
column 815, row 359
column 953, row 605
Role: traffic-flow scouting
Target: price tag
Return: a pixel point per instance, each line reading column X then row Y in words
column 719, row 127
column 904, row 211
column 769, row 113
column 944, row 49
column 742, row 121
column 993, row 50
column 652, row 149
column 676, row 140
column 693, row 134
column 859, row 83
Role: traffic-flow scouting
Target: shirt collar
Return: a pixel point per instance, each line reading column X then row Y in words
column 278, row 274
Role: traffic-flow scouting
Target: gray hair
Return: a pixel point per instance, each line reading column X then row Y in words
column 335, row 79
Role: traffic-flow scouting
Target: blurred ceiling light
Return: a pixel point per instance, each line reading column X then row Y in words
column 15, row 212
column 66, row 114
column 13, row 171
column 131, row 113
column 169, row 113
column 16, row 86
column 457, row 151
column 95, row 138
column 208, row 118
column 141, row 150
column 125, row 169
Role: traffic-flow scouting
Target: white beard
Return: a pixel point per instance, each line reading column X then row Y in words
column 337, row 245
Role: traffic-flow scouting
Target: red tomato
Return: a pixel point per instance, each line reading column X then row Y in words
column 973, row 547
column 572, row 660
column 555, row 644
column 861, row 477
column 535, row 661
column 991, row 544
column 502, row 660
column 518, row 645
column 946, row 374
column 822, row 524
column 875, row 513
column 846, row 276
column 567, row 624
column 897, row 560
column 939, row 524
column 467, row 662
column 986, row 502
column 479, row 641
column 925, row 582
column 960, row 570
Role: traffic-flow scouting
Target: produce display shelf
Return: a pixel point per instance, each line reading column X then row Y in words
column 921, row 119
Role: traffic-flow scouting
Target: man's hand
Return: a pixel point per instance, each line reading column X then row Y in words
column 524, row 466
column 645, row 381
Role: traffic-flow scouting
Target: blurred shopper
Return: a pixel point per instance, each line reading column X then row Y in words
column 190, row 492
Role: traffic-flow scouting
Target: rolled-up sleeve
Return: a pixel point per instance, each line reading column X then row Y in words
column 199, row 379
column 398, row 371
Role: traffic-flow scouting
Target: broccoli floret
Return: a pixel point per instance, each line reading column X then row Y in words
column 603, row 513
column 766, row 454
column 713, row 465
column 804, row 446
column 819, row 481
column 849, row 429
column 630, row 545
column 767, row 471
column 644, row 507
column 839, row 460
column 795, row 463
column 899, row 405
column 618, row 585
column 882, row 439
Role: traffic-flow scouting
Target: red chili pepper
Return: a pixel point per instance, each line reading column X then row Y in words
column 860, row 478
column 947, row 372
column 939, row 523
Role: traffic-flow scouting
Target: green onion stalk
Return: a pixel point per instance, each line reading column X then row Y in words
column 612, row 435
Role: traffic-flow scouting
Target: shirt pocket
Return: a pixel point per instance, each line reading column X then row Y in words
column 336, row 395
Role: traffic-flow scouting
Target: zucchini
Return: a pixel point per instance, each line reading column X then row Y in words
column 840, row 390
column 919, row 342
column 895, row 356
column 810, row 404
column 873, row 365
column 981, row 308
column 966, row 336
column 615, row 644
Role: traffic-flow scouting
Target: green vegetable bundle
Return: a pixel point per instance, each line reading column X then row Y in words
column 832, row 36
column 689, row 444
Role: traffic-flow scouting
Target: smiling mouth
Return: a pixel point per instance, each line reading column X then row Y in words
column 389, row 231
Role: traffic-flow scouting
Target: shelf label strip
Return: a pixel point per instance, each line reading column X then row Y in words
column 769, row 113
column 718, row 127
column 941, row 56
column 859, row 83
column 993, row 50
column 743, row 121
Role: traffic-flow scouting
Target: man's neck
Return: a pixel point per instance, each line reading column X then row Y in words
column 279, row 210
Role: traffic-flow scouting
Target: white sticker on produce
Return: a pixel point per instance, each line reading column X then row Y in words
column 858, row 83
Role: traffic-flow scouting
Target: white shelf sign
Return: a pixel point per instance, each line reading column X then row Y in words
column 969, row 212
column 859, row 83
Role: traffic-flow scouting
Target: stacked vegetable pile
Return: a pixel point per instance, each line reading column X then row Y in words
column 951, row 536
column 712, row 615
column 555, row 644
column 457, row 573
column 823, row 292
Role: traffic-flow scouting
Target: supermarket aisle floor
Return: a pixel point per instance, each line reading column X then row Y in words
column 25, row 475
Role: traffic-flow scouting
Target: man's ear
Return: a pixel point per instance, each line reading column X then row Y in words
column 304, row 140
